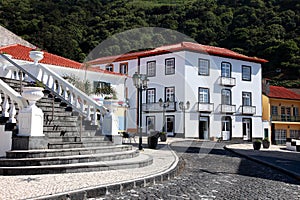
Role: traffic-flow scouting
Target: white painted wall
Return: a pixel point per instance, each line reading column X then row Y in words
column 187, row 81
column 5, row 141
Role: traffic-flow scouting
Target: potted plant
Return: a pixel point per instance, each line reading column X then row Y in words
column 163, row 136
column 266, row 143
column 257, row 144
column 153, row 139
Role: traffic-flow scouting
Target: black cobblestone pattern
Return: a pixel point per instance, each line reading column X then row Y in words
column 216, row 174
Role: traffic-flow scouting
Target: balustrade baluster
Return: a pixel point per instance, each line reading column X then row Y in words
column 95, row 116
column 17, row 77
column 81, row 105
column 43, row 76
column 76, row 103
column 88, row 112
column 48, row 81
column 5, row 107
column 59, row 89
column 12, row 112
column 71, row 99
column 65, row 94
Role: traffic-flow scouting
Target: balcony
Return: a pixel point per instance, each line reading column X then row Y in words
column 205, row 107
column 284, row 118
column 248, row 110
column 227, row 108
column 227, row 81
column 154, row 107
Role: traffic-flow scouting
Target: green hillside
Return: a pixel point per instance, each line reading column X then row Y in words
column 72, row 28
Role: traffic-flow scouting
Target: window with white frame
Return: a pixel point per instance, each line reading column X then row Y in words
column 288, row 113
column 246, row 98
column 295, row 134
column 170, row 66
column 274, row 110
column 203, row 95
column 150, row 123
column 246, row 73
column 226, row 123
column 226, row 97
column 151, row 65
column 124, row 68
column 100, row 85
column 226, row 69
column 109, row 67
column 295, row 111
column 170, row 94
column 150, row 95
column 283, row 113
column 203, row 67
column 280, row 136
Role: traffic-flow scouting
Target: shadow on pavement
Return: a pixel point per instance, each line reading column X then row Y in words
column 244, row 167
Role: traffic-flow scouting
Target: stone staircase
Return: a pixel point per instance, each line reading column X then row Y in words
column 72, row 145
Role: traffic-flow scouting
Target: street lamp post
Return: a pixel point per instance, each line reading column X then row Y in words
column 164, row 105
column 140, row 82
column 184, row 108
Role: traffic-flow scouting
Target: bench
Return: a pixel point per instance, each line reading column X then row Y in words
column 129, row 135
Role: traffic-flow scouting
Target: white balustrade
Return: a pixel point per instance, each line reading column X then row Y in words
column 67, row 91
column 59, row 85
column 10, row 95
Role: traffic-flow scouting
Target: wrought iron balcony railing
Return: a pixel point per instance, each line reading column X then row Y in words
column 155, row 107
column 285, row 118
column 228, row 108
column 205, row 107
column 227, row 81
column 248, row 110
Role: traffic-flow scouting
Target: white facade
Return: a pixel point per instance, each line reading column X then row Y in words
column 242, row 110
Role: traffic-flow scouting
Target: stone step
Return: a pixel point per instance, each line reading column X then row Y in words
column 59, row 133
column 61, row 123
column 12, row 162
column 13, row 81
column 71, row 145
column 59, row 114
column 50, row 119
column 62, row 128
column 39, row 153
column 56, row 109
column 47, row 105
column 136, row 162
column 83, row 139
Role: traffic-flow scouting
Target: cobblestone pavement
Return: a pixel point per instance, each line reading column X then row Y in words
column 217, row 174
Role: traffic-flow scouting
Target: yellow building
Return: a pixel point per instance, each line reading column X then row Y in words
column 281, row 109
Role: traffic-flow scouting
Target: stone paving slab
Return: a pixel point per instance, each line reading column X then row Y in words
column 49, row 186
column 276, row 156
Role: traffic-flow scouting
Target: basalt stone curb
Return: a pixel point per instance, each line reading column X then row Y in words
column 290, row 173
column 114, row 188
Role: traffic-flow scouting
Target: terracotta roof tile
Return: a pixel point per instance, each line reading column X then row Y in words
column 178, row 47
column 21, row 52
column 282, row 93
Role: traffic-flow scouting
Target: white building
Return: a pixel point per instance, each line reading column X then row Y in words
column 222, row 87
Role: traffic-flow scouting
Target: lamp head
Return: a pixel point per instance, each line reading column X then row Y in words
column 180, row 104
column 160, row 102
column 188, row 105
column 136, row 79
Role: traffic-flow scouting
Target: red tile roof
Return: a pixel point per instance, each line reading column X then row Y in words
column 189, row 46
column 282, row 93
column 21, row 52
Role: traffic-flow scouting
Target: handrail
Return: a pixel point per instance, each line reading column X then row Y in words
column 15, row 96
column 68, row 93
